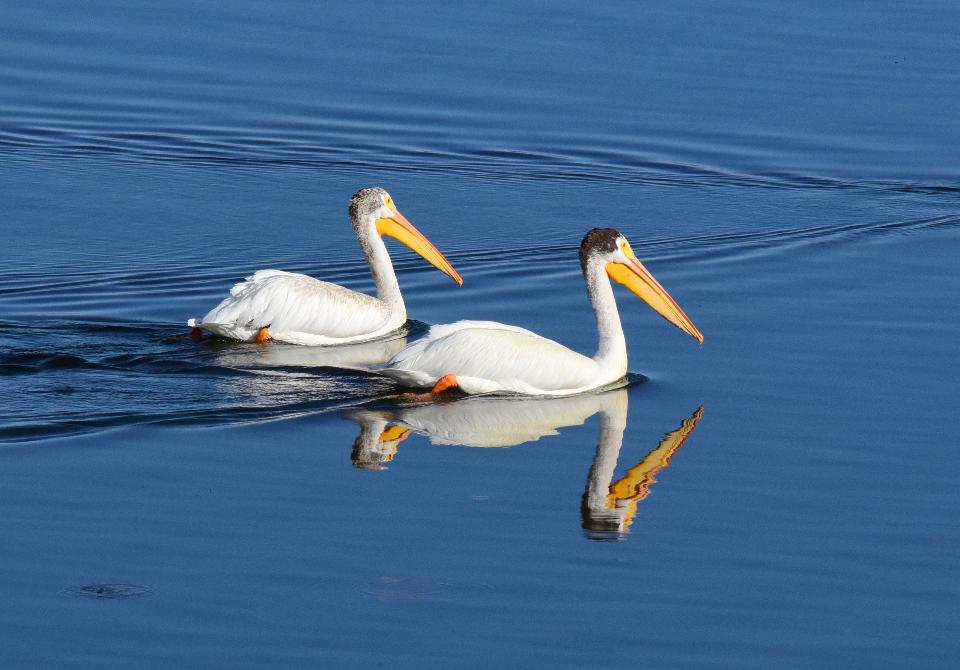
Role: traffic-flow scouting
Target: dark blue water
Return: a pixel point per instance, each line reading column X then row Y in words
column 789, row 173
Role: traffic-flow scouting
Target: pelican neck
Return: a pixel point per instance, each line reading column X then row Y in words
column 612, row 349
column 381, row 267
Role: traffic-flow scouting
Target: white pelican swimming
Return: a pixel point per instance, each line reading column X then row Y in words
column 489, row 357
column 295, row 308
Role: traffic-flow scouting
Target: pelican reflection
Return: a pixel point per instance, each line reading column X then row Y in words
column 377, row 443
column 360, row 356
column 287, row 379
column 492, row 421
column 608, row 507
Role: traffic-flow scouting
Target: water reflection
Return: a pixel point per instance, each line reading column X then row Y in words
column 608, row 507
column 286, row 380
column 492, row 421
column 360, row 356
column 377, row 443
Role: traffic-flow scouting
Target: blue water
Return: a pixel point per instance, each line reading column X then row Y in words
column 789, row 173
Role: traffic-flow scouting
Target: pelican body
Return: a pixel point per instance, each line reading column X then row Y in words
column 490, row 357
column 296, row 308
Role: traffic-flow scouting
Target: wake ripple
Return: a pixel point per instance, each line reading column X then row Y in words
column 67, row 377
column 189, row 146
column 70, row 375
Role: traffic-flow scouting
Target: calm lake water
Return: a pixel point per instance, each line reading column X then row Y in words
column 783, row 496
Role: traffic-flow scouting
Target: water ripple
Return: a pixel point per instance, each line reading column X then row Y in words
column 97, row 374
column 189, row 146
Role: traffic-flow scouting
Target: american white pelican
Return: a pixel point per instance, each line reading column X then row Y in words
column 295, row 308
column 489, row 357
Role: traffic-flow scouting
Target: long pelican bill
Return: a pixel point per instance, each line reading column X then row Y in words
column 639, row 280
column 399, row 228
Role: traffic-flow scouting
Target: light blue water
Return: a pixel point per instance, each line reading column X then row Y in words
column 790, row 174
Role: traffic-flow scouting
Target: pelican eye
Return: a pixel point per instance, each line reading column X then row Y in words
column 388, row 201
column 627, row 251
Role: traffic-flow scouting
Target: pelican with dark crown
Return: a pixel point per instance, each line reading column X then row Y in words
column 296, row 308
column 490, row 357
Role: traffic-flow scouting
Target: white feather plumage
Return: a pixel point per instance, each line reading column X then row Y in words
column 300, row 310
column 489, row 357
column 492, row 357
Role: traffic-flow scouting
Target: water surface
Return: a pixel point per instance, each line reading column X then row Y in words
column 782, row 495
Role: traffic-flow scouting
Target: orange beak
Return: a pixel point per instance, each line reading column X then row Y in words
column 399, row 228
column 639, row 280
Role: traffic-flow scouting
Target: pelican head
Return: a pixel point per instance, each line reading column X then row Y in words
column 372, row 211
column 609, row 247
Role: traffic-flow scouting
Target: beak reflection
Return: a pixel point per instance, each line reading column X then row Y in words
column 608, row 508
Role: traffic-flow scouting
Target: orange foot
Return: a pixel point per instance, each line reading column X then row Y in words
column 445, row 383
column 263, row 335
column 195, row 334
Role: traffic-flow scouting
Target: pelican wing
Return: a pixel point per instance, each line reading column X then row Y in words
column 488, row 357
column 293, row 305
